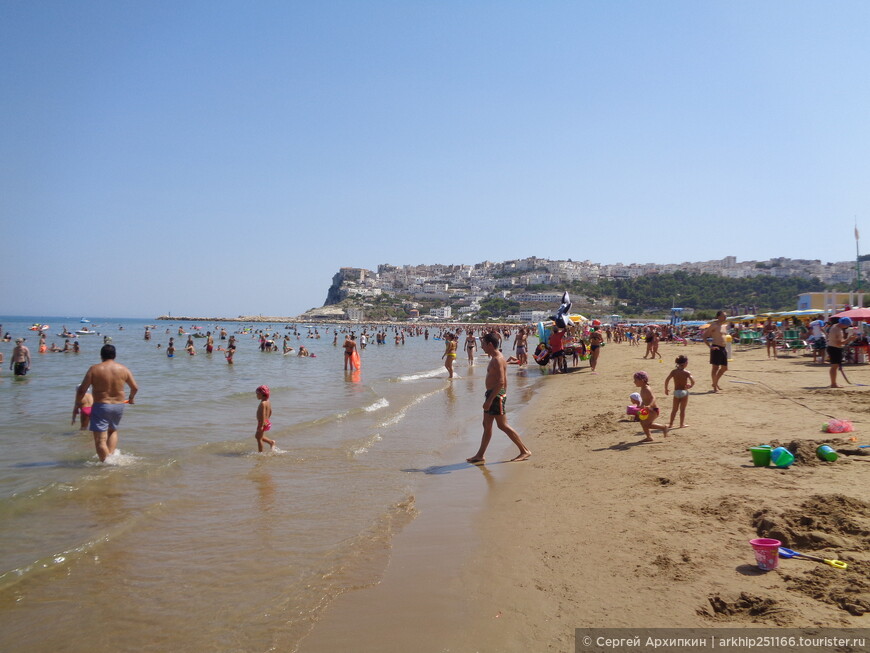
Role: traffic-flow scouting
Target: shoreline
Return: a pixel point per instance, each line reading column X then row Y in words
column 423, row 581
column 598, row 530
column 259, row 319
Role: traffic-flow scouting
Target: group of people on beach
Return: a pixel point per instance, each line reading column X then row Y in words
column 101, row 410
column 828, row 339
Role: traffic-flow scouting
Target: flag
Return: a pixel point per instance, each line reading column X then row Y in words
column 856, row 232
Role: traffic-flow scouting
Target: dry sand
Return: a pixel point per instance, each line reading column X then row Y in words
column 599, row 530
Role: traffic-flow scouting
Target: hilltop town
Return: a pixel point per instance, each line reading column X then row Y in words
column 532, row 285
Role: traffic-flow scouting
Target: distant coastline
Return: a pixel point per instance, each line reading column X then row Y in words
column 303, row 320
column 240, row 318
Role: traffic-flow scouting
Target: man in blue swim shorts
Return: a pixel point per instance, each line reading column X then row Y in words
column 108, row 379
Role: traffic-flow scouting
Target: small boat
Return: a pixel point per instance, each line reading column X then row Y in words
column 86, row 332
column 39, row 327
column 85, row 321
column 66, row 335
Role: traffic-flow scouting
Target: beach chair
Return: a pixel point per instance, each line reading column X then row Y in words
column 749, row 339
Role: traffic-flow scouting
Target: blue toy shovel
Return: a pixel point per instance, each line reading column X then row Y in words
column 788, row 553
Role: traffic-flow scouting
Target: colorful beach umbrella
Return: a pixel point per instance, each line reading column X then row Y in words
column 855, row 314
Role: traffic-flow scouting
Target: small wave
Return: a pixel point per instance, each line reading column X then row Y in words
column 70, row 556
column 423, row 375
column 380, row 403
column 274, row 451
column 362, row 446
column 399, row 416
column 116, row 459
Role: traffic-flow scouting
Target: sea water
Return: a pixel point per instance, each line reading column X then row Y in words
column 187, row 538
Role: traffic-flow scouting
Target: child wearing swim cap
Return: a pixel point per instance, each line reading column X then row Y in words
column 264, row 414
column 649, row 410
column 683, row 381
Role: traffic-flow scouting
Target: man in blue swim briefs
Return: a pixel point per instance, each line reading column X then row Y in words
column 107, row 379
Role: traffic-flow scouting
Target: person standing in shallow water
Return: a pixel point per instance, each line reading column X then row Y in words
column 264, row 416
column 349, row 348
column 20, row 362
column 108, row 379
column 449, row 354
column 494, row 402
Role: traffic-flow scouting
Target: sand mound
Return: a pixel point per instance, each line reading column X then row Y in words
column 822, row 521
column 848, row 589
column 805, row 450
column 746, row 607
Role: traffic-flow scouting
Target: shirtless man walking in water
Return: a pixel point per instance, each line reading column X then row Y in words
column 494, row 403
column 108, row 379
column 718, row 353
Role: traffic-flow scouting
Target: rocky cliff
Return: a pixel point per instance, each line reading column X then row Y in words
column 337, row 291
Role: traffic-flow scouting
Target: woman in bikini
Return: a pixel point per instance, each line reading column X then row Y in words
column 449, row 354
column 470, row 346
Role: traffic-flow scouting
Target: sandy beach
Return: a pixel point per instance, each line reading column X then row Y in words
column 600, row 530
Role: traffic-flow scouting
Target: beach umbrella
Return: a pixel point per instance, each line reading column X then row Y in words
column 801, row 313
column 855, row 314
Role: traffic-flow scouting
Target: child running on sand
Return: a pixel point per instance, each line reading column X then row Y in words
column 648, row 401
column 683, row 382
column 264, row 414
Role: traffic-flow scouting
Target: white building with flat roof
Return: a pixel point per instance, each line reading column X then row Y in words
column 442, row 313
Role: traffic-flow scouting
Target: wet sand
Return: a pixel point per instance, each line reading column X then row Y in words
column 599, row 530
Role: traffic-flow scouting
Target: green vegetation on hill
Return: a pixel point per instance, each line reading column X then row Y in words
column 496, row 307
column 700, row 291
column 645, row 296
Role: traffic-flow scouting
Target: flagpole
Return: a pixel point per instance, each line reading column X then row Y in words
column 857, row 258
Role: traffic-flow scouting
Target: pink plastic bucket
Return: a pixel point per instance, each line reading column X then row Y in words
column 766, row 552
column 632, row 410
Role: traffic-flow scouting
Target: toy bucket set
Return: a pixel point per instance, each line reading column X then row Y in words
column 768, row 552
column 763, row 455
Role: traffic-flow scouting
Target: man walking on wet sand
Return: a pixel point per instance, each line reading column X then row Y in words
column 108, row 379
column 494, row 403
column 718, row 352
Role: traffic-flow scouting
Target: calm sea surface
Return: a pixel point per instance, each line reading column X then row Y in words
column 188, row 539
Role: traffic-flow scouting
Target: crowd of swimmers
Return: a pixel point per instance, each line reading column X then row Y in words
column 827, row 339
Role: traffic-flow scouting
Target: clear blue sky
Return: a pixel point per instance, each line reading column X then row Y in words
column 223, row 158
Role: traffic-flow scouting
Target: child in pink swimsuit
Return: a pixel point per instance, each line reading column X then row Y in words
column 264, row 414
